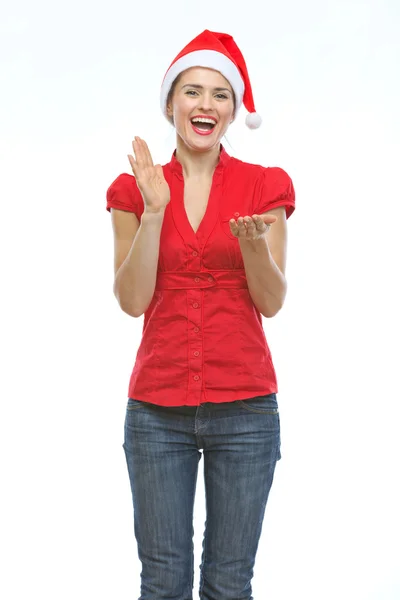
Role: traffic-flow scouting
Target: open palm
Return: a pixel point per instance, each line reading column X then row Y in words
column 149, row 177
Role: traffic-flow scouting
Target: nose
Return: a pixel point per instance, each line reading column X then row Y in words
column 206, row 101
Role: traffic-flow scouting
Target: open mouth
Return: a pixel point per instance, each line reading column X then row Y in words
column 203, row 125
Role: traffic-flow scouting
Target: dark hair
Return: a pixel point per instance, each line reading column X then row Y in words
column 171, row 93
column 172, row 90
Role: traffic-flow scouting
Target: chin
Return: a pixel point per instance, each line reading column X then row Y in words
column 201, row 144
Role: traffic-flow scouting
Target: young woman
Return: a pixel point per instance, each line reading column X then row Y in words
column 200, row 250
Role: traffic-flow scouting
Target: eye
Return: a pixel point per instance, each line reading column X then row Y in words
column 190, row 92
column 223, row 96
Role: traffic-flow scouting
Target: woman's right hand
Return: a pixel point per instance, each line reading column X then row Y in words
column 149, row 178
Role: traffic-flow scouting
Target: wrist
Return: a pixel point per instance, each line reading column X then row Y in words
column 153, row 214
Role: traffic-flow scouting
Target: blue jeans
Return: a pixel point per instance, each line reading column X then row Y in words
column 241, row 445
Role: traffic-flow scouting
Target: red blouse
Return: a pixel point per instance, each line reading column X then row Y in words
column 203, row 338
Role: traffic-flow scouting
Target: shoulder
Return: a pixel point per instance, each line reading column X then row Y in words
column 123, row 193
column 269, row 173
column 242, row 167
column 278, row 182
column 270, row 186
column 124, row 181
column 270, row 180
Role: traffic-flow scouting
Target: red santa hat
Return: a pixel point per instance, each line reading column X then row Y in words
column 215, row 51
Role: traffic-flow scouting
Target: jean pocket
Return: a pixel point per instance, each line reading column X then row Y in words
column 267, row 405
column 134, row 404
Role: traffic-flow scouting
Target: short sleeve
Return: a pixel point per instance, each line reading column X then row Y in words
column 276, row 189
column 124, row 194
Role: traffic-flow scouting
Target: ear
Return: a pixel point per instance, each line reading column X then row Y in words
column 169, row 109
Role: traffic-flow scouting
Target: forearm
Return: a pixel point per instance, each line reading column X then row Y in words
column 135, row 280
column 267, row 284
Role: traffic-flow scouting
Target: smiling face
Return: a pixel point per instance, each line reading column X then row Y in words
column 201, row 107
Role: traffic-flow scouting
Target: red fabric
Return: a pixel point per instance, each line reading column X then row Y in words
column 208, row 40
column 203, row 338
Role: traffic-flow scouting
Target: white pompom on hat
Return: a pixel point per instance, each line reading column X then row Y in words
column 216, row 51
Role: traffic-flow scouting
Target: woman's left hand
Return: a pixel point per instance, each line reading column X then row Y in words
column 251, row 228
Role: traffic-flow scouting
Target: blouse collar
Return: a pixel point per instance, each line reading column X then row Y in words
column 176, row 166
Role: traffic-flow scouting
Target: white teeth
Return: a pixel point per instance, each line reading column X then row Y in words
column 203, row 120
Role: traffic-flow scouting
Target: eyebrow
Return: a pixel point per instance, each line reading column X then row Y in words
column 200, row 87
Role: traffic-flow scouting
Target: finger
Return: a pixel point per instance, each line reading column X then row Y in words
column 259, row 222
column 262, row 225
column 143, row 154
column 159, row 171
column 146, row 154
column 242, row 227
column 250, row 223
column 234, row 227
column 269, row 219
column 138, row 150
column 133, row 164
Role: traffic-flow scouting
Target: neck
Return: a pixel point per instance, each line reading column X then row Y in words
column 195, row 163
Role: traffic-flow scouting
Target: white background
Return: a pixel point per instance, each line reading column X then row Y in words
column 78, row 81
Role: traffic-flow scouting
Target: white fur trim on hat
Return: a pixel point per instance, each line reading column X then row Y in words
column 204, row 58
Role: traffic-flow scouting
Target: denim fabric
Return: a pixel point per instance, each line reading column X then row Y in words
column 241, row 445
